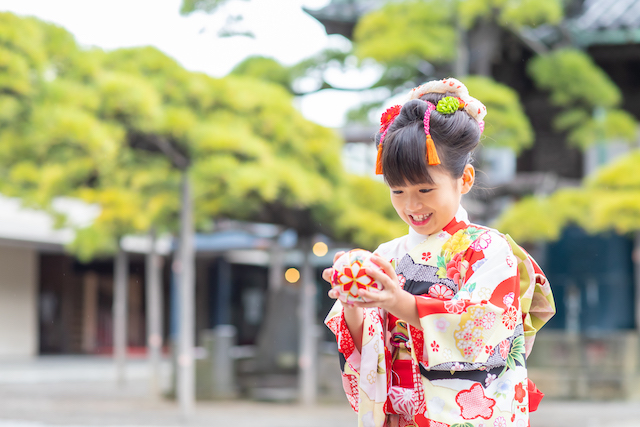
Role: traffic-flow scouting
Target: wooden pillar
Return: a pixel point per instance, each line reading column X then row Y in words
column 90, row 312
column 121, row 280
column 276, row 266
column 153, row 269
column 186, row 341
column 308, row 360
column 636, row 274
column 222, row 313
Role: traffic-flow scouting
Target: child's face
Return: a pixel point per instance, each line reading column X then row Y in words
column 428, row 208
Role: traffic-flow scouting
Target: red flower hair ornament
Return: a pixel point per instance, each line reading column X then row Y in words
column 385, row 122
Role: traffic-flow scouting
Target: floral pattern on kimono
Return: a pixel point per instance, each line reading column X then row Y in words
column 481, row 299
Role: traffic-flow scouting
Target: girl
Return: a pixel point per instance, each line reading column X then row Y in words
column 444, row 343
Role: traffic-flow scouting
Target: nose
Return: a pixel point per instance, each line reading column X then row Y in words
column 414, row 204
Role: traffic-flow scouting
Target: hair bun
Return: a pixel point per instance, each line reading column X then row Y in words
column 473, row 107
column 414, row 110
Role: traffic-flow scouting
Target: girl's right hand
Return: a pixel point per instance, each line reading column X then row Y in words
column 327, row 274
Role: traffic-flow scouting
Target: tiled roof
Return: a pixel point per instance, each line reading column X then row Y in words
column 602, row 15
column 340, row 16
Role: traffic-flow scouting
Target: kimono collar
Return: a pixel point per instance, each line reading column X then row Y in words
column 458, row 222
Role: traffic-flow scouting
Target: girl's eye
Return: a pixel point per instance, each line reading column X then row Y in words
column 426, row 190
column 397, row 191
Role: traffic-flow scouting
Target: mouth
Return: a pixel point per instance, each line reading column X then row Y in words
column 418, row 220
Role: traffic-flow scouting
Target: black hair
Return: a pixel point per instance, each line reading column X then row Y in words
column 404, row 147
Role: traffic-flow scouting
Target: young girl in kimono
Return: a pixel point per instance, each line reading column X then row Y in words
column 445, row 342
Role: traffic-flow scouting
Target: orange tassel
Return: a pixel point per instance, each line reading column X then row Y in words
column 379, row 160
column 432, row 154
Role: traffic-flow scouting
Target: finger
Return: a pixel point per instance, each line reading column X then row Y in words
column 327, row 273
column 383, row 264
column 337, row 255
column 333, row 293
column 361, row 304
column 382, row 278
column 371, row 296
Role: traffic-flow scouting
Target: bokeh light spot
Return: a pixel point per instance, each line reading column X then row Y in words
column 320, row 249
column 292, row 275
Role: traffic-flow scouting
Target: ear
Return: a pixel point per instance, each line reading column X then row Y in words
column 468, row 178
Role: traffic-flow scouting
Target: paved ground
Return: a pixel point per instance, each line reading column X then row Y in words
column 77, row 392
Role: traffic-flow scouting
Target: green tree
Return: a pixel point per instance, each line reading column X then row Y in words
column 609, row 200
column 588, row 98
column 123, row 129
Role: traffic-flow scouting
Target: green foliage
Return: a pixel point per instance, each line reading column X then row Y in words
column 616, row 125
column 362, row 213
column 511, row 13
column 506, row 124
column 580, row 87
column 407, row 32
column 573, row 80
column 538, row 218
column 207, row 6
column 531, row 13
column 609, row 200
column 263, row 68
column 530, row 220
column 109, row 133
column 91, row 242
column 618, row 187
column 619, row 175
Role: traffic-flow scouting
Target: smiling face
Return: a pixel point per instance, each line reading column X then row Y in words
column 428, row 208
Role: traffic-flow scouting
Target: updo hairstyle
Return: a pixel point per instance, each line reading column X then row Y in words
column 404, row 147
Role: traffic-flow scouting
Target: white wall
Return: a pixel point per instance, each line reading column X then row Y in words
column 18, row 302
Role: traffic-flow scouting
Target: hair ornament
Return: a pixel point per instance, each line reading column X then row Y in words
column 386, row 120
column 389, row 116
column 472, row 106
column 449, row 105
column 432, row 154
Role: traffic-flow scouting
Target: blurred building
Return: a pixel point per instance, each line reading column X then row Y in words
column 51, row 303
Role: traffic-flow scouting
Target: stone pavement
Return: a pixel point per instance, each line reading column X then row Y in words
column 78, row 392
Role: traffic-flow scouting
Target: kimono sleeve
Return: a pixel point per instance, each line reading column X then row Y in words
column 484, row 313
column 364, row 374
column 536, row 297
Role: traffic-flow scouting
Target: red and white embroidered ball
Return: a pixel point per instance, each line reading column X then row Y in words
column 350, row 274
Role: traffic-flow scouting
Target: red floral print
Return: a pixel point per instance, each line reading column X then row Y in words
column 454, row 306
column 474, row 404
column 426, row 256
column 520, row 393
column 481, row 243
column 508, row 299
column 440, row 291
column 510, row 261
column 435, row 347
column 488, row 320
column 510, row 318
column 505, row 346
column 500, row 422
column 401, row 280
column 453, row 268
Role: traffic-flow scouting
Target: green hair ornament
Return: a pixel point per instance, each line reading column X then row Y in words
column 449, row 105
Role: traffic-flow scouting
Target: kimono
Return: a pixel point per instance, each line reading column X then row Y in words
column 481, row 299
